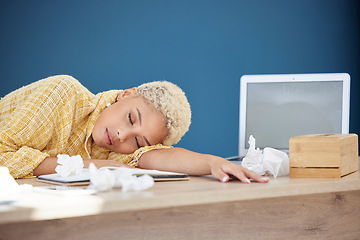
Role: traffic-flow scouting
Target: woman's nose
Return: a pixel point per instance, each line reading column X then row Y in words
column 120, row 135
column 124, row 134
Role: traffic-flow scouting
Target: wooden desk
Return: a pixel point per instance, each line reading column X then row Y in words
column 202, row 208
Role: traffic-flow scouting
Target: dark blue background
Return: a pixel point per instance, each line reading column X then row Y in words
column 203, row 46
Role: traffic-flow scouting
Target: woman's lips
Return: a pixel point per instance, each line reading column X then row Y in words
column 108, row 137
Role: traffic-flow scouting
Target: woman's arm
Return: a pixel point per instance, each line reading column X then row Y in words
column 192, row 163
column 36, row 117
column 49, row 164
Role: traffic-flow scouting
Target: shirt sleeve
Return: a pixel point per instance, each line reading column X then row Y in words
column 133, row 159
column 30, row 159
column 28, row 120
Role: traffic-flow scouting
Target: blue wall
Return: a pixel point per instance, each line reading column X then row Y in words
column 203, row 46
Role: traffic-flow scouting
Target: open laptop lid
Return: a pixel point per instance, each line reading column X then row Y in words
column 274, row 108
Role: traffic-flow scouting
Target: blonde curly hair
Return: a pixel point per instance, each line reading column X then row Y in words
column 172, row 102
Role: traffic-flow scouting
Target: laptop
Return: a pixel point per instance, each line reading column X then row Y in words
column 274, row 108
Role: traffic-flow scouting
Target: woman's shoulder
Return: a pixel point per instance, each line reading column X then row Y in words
column 63, row 80
column 63, row 84
column 58, row 88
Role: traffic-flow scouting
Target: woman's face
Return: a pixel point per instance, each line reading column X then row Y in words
column 128, row 124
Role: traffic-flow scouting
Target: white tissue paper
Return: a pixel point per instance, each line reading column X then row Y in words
column 101, row 180
column 69, row 166
column 276, row 162
column 270, row 160
column 105, row 179
column 253, row 159
column 9, row 188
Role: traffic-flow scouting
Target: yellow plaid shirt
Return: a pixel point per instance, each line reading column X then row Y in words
column 53, row 116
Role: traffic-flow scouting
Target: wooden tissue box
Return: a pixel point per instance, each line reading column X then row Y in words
column 323, row 155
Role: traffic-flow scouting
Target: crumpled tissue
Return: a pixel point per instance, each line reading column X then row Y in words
column 9, row 188
column 105, row 179
column 269, row 160
column 69, row 166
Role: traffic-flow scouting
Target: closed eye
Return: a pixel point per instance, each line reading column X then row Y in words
column 132, row 123
column 130, row 120
column 137, row 142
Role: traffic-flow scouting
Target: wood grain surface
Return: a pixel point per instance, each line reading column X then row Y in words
column 316, row 216
column 201, row 208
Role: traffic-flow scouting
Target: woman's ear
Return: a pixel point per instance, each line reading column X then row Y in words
column 131, row 92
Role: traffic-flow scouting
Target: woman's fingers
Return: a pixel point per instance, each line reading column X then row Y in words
column 218, row 173
column 241, row 173
column 256, row 177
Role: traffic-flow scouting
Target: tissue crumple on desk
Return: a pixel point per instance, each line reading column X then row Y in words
column 9, row 188
column 69, row 166
column 270, row 160
column 105, row 179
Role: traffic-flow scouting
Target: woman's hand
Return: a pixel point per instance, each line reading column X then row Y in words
column 221, row 169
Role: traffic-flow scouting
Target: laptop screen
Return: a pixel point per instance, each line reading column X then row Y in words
column 277, row 108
